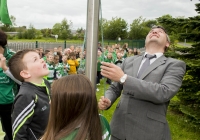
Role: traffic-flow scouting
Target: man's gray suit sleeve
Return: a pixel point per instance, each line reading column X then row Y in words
column 157, row 92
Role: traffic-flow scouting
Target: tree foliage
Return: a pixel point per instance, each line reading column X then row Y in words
column 115, row 28
column 139, row 28
column 189, row 93
column 62, row 29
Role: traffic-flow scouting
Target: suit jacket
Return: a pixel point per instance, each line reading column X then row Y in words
column 141, row 111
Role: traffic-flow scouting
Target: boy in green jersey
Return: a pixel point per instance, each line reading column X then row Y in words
column 50, row 66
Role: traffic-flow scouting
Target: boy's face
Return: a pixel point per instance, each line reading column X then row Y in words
column 35, row 67
column 119, row 55
column 50, row 58
column 109, row 56
column 56, row 60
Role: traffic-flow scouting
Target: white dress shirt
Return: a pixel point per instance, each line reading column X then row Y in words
column 151, row 60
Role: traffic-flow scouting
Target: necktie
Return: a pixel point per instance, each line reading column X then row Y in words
column 146, row 63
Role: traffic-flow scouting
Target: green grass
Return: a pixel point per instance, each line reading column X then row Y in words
column 180, row 129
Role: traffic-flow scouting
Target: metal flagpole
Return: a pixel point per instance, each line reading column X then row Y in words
column 92, row 40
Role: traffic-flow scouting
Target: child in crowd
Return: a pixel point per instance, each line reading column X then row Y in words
column 46, row 53
column 7, row 87
column 73, row 63
column 41, row 53
column 99, row 60
column 130, row 53
column 50, row 66
column 31, row 105
column 109, row 59
column 81, row 68
column 66, row 66
column 74, row 111
column 119, row 59
column 58, row 67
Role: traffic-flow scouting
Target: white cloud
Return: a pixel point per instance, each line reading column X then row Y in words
column 45, row 13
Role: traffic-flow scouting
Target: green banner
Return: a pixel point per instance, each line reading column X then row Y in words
column 4, row 15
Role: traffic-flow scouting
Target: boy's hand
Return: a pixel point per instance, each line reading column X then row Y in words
column 104, row 103
column 3, row 63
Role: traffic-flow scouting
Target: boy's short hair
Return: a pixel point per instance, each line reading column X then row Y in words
column 3, row 39
column 46, row 52
column 72, row 54
column 16, row 64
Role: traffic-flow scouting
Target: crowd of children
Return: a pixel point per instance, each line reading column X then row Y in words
column 72, row 60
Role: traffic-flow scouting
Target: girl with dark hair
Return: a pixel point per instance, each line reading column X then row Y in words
column 74, row 111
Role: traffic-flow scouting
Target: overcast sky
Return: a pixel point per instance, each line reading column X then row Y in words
column 45, row 13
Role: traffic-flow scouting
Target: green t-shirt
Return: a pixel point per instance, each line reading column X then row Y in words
column 66, row 68
column 7, row 85
column 59, row 70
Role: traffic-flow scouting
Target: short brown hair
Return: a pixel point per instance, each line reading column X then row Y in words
column 3, row 39
column 16, row 64
column 72, row 54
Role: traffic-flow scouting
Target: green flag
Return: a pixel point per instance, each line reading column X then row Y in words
column 4, row 16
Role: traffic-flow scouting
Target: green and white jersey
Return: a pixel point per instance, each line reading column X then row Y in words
column 66, row 68
column 81, row 68
column 50, row 76
column 59, row 70
column 105, row 128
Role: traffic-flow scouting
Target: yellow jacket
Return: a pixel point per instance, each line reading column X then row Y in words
column 73, row 64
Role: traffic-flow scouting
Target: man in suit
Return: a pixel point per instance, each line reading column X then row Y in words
column 141, row 111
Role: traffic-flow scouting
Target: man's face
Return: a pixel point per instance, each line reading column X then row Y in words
column 157, row 35
column 35, row 66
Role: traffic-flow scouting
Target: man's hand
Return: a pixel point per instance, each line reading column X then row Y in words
column 111, row 71
column 104, row 103
column 3, row 63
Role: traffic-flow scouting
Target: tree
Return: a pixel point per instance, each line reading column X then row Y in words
column 117, row 27
column 62, row 29
column 46, row 32
column 139, row 28
column 80, row 32
column 189, row 93
column 31, row 32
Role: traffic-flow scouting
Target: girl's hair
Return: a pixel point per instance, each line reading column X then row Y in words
column 73, row 105
column 72, row 54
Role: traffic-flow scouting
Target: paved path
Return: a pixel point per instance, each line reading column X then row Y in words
column 184, row 44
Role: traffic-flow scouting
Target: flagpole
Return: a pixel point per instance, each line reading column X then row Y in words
column 92, row 40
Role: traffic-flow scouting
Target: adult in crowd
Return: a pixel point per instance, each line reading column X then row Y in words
column 7, row 87
column 147, row 82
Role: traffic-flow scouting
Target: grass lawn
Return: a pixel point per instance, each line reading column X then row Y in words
column 180, row 129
